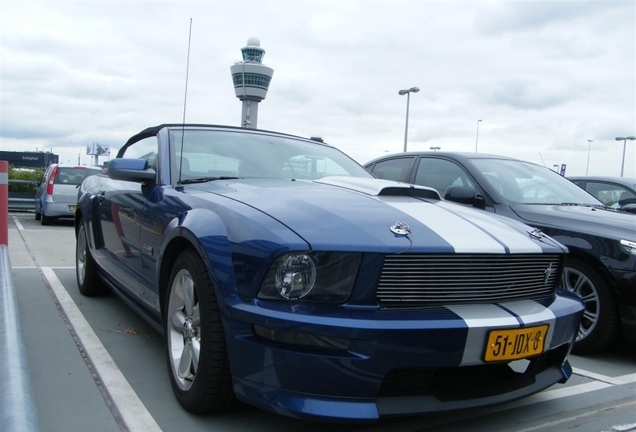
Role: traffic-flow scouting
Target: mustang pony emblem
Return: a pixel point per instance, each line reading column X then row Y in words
column 548, row 272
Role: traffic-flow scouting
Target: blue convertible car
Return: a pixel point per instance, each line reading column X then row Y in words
column 284, row 275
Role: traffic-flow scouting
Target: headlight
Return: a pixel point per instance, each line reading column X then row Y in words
column 311, row 276
column 628, row 246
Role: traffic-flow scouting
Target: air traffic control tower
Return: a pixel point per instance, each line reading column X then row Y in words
column 251, row 80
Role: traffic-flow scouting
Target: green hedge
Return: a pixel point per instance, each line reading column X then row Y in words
column 35, row 174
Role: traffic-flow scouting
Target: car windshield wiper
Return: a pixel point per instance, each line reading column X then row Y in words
column 601, row 206
column 206, row 179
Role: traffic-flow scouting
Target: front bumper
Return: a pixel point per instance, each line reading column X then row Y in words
column 339, row 363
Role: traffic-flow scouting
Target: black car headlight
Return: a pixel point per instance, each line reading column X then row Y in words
column 311, row 276
column 628, row 246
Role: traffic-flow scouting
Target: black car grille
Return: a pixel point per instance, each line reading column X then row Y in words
column 417, row 280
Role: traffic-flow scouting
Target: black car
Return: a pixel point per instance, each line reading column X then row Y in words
column 615, row 192
column 601, row 265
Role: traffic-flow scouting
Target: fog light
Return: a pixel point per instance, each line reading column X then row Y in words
column 302, row 339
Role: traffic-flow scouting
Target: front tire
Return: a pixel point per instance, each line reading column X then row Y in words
column 600, row 322
column 88, row 282
column 196, row 350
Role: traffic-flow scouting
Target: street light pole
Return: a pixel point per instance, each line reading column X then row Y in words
column 624, row 139
column 407, row 92
column 589, row 147
column 477, row 139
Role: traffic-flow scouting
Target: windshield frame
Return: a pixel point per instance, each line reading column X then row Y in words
column 210, row 152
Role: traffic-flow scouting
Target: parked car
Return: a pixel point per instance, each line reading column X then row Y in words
column 56, row 197
column 601, row 265
column 284, row 275
column 614, row 192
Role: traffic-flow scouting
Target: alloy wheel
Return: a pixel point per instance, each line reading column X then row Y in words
column 184, row 328
column 578, row 283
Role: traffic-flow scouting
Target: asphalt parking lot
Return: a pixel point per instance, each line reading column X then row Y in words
column 96, row 365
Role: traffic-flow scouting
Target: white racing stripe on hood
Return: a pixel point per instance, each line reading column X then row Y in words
column 480, row 319
column 461, row 234
column 517, row 242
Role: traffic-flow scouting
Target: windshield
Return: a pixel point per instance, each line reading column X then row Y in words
column 210, row 154
column 527, row 183
column 73, row 176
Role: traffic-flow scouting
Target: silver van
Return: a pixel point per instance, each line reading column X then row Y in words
column 56, row 196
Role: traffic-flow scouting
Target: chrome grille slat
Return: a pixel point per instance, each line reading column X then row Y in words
column 409, row 280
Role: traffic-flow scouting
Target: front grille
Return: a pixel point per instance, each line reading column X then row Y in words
column 422, row 280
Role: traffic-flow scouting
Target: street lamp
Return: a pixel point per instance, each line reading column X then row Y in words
column 589, row 147
column 477, row 139
column 407, row 92
column 436, row 148
column 624, row 139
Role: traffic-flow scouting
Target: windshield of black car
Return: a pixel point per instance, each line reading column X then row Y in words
column 200, row 154
column 527, row 183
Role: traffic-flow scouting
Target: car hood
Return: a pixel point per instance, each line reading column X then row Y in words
column 356, row 214
column 580, row 219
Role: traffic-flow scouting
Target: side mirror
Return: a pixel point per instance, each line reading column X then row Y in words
column 629, row 208
column 464, row 195
column 133, row 170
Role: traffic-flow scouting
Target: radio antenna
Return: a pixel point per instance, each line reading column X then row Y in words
column 185, row 100
column 542, row 160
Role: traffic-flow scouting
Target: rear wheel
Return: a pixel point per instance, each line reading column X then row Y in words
column 38, row 215
column 599, row 325
column 44, row 219
column 88, row 282
column 197, row 354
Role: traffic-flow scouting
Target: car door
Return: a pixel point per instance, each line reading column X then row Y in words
column 440, row 174
column 120, row 208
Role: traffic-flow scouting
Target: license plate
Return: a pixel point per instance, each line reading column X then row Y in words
column 71, row 209
column 515, row 344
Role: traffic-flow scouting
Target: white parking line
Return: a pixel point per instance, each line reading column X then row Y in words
column 132, row 410
column 18, row 224
column 622, row 380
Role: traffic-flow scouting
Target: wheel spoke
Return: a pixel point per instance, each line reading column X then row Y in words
column 177, row 320
column 188, row 294
column 196, row 317
column 185, row 362
column 196, row 354
column 592, row 317
column 580, row 283
column 590, row 298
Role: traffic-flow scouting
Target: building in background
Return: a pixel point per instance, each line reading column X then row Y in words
column 251, row 81
column 29, row 159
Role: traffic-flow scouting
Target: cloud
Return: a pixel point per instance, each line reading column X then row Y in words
column 543, row 76
column 530, row 94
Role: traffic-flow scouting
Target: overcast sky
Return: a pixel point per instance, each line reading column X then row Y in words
column 543, row 76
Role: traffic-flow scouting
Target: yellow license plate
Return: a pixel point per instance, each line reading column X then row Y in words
column 515, row 344
column 71, row 209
